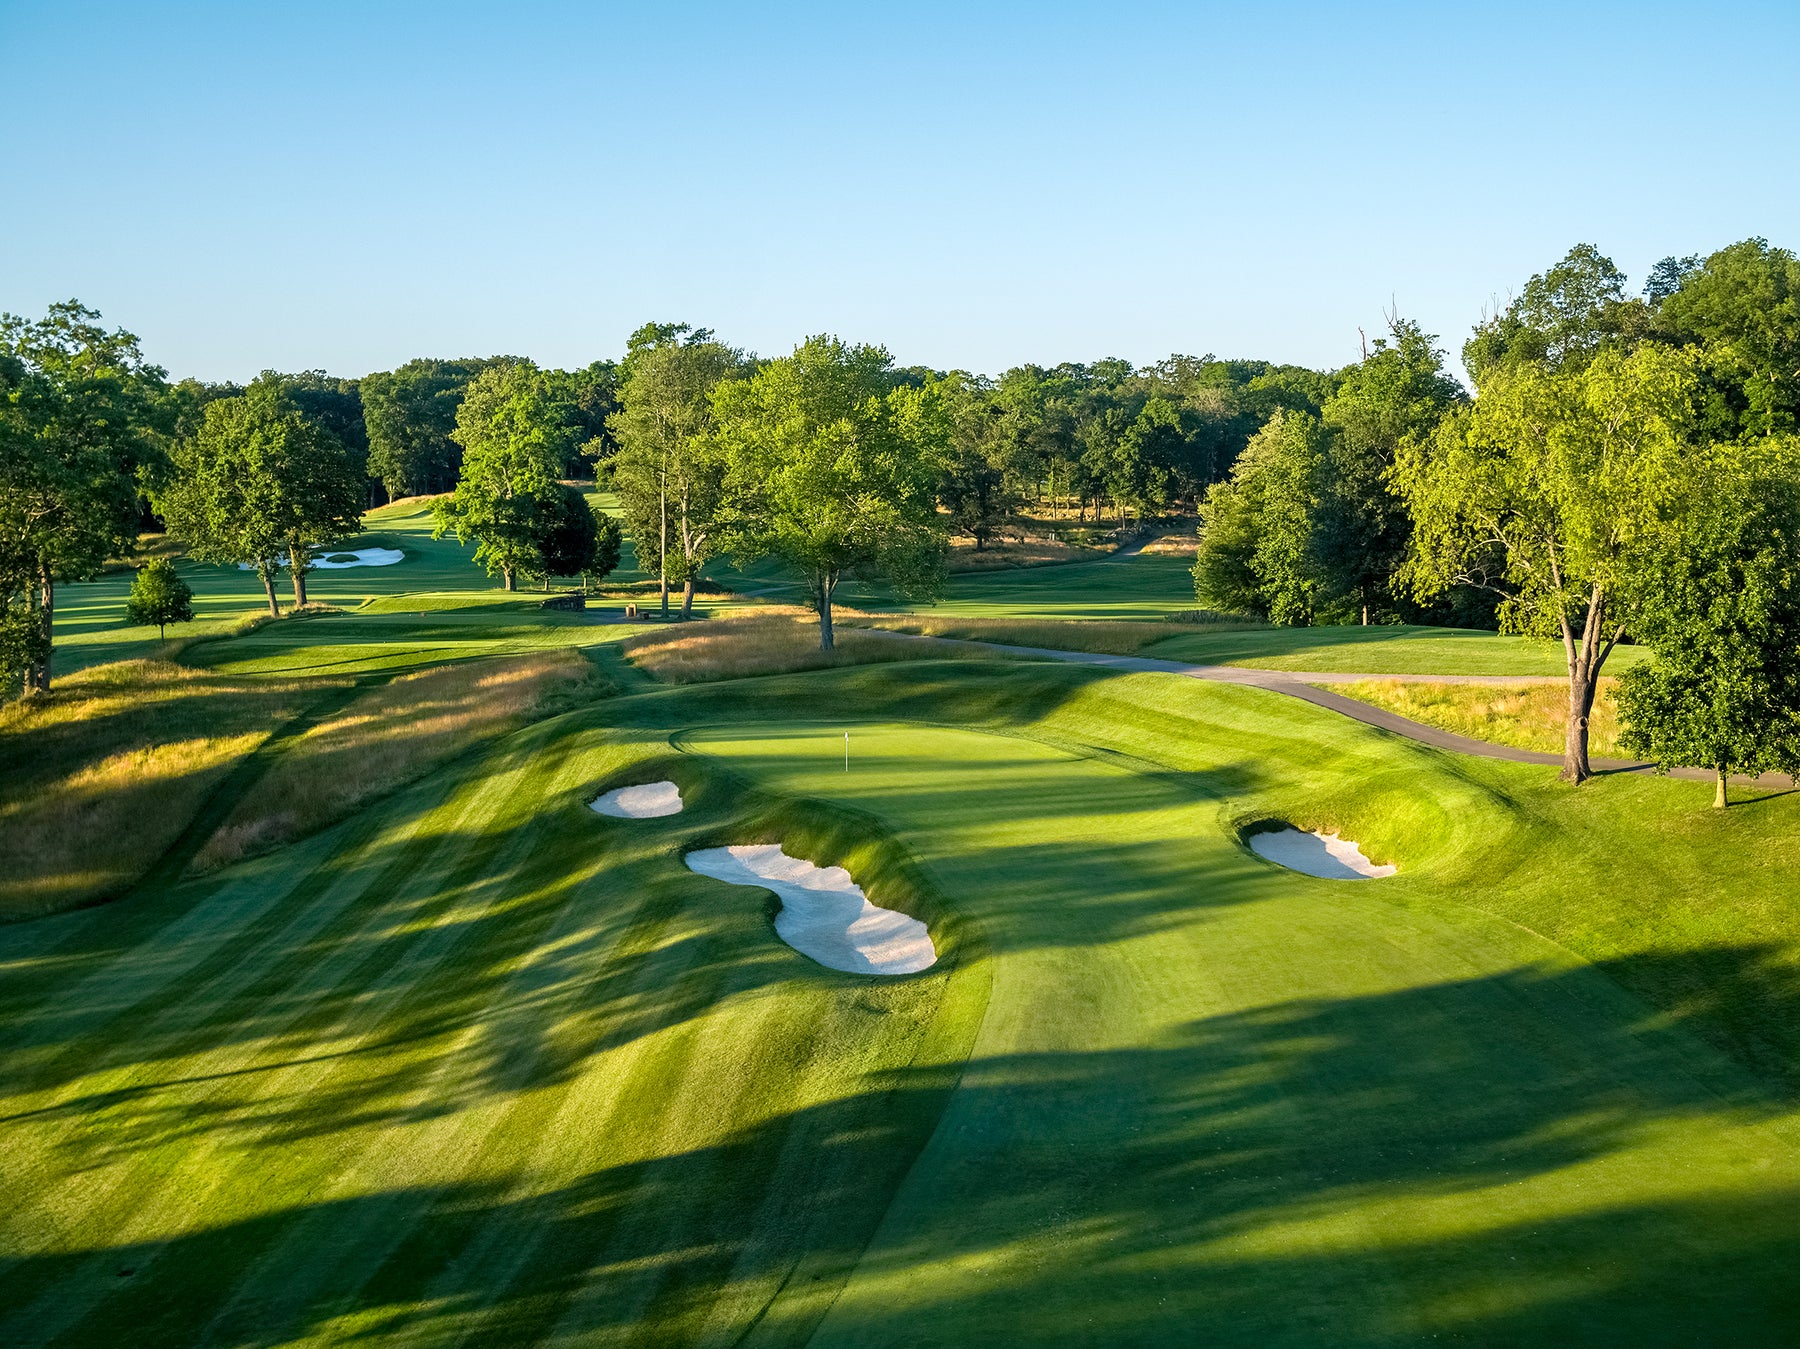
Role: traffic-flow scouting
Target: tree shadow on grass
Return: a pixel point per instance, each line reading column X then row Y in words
column 1495, row 1160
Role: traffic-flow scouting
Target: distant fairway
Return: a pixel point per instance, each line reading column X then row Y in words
column 484, row 1067
column 436, row 573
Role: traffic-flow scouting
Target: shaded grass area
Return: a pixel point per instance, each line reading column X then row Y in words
column 481, row 1065
column 98, row 778
column 389, row 734
column 1529, row 716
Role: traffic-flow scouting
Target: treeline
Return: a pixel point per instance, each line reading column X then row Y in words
column 1627, row 469
column 1313, row 524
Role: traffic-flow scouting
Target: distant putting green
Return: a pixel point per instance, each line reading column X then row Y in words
column 485, row 1066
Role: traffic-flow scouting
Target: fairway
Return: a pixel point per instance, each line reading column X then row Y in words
column 483, row 1066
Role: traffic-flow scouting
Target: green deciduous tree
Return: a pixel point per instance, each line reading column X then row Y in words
column 972, row 484
column 1544, row 491
column 832, row 470
column 261, row 479
column 515, row 434
column 668, row 472
column 1743, row 305
column 1718, row 602
column 1257, row 552
column 1395, row 396
column 82, row 423
column 410, row 414
column 158, row 595
column 573, row 539
column 1562, row 317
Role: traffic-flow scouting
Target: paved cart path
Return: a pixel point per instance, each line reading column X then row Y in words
column 1302, row 684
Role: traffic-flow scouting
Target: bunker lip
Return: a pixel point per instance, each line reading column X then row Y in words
column 824, row 914
column 643, row 801
column 1330, row 857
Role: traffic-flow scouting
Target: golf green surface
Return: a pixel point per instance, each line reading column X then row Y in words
column 483, row 1067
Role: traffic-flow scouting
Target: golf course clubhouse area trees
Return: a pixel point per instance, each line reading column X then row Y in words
column 910, row 939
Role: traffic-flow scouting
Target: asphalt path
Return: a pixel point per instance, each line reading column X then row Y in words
column 1303, row 684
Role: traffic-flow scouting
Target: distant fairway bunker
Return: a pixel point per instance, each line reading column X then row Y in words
column 645, row 801
column 824, row 914
column 1328, row 856
column 339, row 559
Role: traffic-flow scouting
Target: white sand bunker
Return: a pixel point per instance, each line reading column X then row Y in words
column 332, row 559
column 643, row 802
column 824, row 914
column 1325, row 855
column 336, row 559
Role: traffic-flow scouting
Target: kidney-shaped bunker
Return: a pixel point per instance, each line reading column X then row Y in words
column 1323, row 855
column 645, row 801
column 824, row 914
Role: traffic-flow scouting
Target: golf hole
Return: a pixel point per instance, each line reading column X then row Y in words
column 824, row 914
column 645, row 801
column 1327, row 856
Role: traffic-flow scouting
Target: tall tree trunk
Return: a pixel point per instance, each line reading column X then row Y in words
column 825, row 587
column 37, row 678
column 1719, row 793
column 663, row 552
column 268, row 579
column 687, row 598
column 1585, row 660
column 297, row 560
column 509, row 578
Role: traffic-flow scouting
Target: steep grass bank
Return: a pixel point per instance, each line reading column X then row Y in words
column 98, row 778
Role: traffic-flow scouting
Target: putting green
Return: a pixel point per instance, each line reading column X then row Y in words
column 483, row 1066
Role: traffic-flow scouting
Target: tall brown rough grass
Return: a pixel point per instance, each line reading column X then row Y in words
column 1526, row 716
column 772, row 640
column 99, row 778
column 1117, row 637
column 390, row 735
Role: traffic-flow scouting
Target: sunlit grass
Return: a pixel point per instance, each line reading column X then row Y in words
column 389, row 735
column 772, row 640
column 1527, row 716
column 98, row 778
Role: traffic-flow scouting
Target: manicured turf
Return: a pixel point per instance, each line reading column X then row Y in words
column 485, row 1066
column 436, row 573
column 1139, row 587
column 1389, row 649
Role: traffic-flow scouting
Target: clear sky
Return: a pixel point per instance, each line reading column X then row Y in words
column 347, row 186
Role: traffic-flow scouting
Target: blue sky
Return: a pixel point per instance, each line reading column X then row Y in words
column 348, row 186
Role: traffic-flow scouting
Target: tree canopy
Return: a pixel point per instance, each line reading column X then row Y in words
column 515, row 434
column 83, row 420
column 1542, row 491
column 1718, row 601
column 831, row 467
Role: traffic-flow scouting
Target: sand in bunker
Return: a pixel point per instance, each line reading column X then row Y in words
column 824, row 914
column 645, row 801
column 1324, row 855
column 346, row 557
